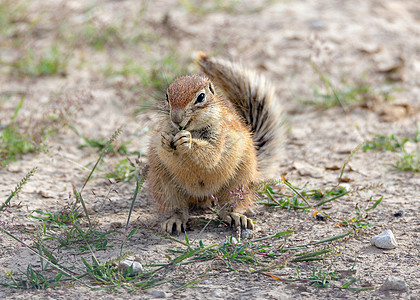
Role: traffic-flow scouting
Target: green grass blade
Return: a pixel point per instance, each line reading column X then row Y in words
column 79, row 198
column 279, row 234
column 103, row 153
column 19, row 186
column 56, row 266
column 15, row 114
column 375, row 204
column 139, row 184
column 336, row 237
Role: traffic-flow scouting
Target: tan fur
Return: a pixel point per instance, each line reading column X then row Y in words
column 201, row 151
column 253, row 97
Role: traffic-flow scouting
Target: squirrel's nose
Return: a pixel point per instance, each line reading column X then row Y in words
column 177, row 117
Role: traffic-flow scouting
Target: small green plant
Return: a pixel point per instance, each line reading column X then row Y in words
column 64, row 227
column 408, row 162
column 124, row 170
column 108, row 273
column 52, row 62
column 347, row 95
column 18, row 188
column 322, row 279
column 385, row 143
column 60, row 219
column 404, row 161
column 13, row 141
column 329, row 95
column 18, row 138
column 164, row 72
column 206, row 7
column 151, row 81
column 201, row 7
column 11, row 12
column 300, row 199
column 31, row 279
column 100, row 37
column 102, row 144
column 285, row 201
column 326, row 279
column 296, row 200
column 360, row 220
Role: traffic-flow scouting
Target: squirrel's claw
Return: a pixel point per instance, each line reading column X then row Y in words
column 182, row 140
column 180, row 224
column 237, row 219
column 166, row 140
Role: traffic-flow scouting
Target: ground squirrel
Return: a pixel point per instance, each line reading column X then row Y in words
column 209, row 148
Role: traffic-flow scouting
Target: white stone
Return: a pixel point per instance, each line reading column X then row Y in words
column 385, row 240
column 137, row 267
column 229, row 240
column 305, row 169
column 158, row 294
column 394, row 283
column 346, row 186
column 246, row 234
column 411, row 147
column 216, row 293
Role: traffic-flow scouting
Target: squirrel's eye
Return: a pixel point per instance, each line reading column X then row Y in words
column 200, row 98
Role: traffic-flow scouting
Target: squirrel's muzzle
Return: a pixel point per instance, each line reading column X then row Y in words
column 178, row 118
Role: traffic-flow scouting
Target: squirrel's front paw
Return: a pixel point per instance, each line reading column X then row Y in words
column 182, row 141
column 237, row 219
column 166, row 140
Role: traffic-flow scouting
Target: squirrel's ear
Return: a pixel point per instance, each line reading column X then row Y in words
column 211, row 88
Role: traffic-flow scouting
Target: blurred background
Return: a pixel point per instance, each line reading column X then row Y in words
column 75, row 75
column 72, row 72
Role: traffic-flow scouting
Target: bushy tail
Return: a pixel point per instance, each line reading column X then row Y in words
column 254, row 98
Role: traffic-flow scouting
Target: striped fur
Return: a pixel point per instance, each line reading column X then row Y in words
column 254, row 98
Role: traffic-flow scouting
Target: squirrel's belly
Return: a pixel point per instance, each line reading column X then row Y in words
column 198, row 181
column 201, row 183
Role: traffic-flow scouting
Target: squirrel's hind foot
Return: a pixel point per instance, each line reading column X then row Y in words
column 237, row 219
column 176, row 223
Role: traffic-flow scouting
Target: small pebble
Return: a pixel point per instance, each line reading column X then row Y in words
column 393, row 283
column 234, row 241
column 398, row 214
column 115, row 80
column 229, row 240
column 385, row 240
column 317, row 24
column 346, row 186
column 411, row 147
column 320, row 217
column 45, row 194
column 125, row 264
column 216, row 293
column 246, row 234
column 158, row 294
column 12, row 168
column 115, row 225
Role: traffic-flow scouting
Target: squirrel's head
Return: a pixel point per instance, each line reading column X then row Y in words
column 189, row 99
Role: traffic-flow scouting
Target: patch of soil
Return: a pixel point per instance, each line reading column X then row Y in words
column 373, row 42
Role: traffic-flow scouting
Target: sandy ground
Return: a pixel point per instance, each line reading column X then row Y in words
column 375, row 42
